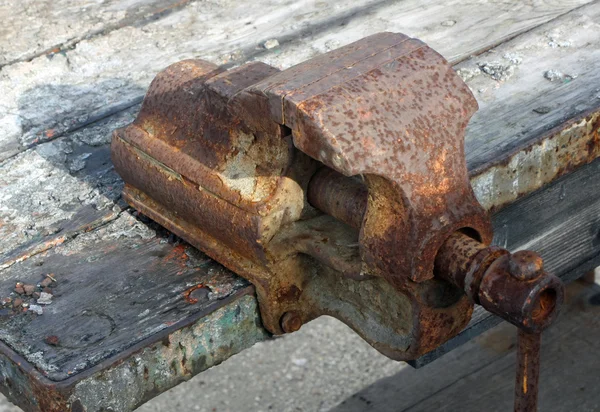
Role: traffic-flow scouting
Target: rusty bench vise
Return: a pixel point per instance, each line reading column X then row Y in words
column 337, row 187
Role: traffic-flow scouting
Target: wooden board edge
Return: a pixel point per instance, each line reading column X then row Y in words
column 145, row 370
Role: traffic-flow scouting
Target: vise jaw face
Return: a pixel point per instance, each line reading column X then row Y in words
column 242, row 163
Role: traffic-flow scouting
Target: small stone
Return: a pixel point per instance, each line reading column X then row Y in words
column 553, row 75
column 36, row 295
column 468, row 74
column 78, row 163
column 47, row 290
column 17, row 302
column 29, row 289
column 52, row 340
column 6, row 301
column 36, row 309
column 557, row 43
column 25, row 305
column 299, row 361
column 45, row 298
column 46, row 282
column 271, row 44
column 497, row 71
column 19, row 290
column 448, row 23
column 513, row 58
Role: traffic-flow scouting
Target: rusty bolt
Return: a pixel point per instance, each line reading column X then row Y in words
column 526, row 265
column 291, row 322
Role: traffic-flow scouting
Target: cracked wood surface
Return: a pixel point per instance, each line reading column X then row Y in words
column 31, row 28
column 57, row 183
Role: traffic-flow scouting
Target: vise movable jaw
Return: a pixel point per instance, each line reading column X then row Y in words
column 337, row 187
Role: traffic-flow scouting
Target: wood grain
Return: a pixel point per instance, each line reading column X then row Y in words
column 46, row 97
column 116, row 286
column 32, row 28
column 529, row 130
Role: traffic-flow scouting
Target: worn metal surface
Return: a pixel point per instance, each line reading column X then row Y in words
column 514, row 287
column 560, row 222
column 340, row 197
column 392, row 110
column 239, row 192
column 220, row 158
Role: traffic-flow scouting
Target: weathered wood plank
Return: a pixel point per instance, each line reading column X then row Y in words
column 155, row 364
column 116, row 286
column 31, row 28
column 58, row 190
column 44, row 98
column 480, row 375
column 518, row 140
column 27, row 234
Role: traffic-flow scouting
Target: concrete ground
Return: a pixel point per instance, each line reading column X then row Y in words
column 311, row 370
column 327, row 367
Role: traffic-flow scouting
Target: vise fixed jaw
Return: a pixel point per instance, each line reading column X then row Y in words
column 337, row 187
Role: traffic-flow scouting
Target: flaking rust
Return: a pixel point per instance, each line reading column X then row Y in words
column 337, row 187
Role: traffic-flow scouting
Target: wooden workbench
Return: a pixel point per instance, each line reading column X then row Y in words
column 120, row 315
